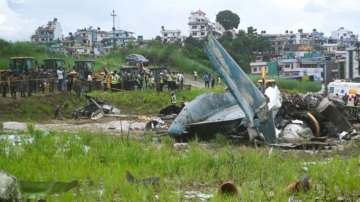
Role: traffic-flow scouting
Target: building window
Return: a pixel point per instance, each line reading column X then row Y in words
column 255, row 69
column 194, row 34
column 202, row 33
column 194, row 27
column 202, row 27
column 165, row 34
column 116, row 34
column 287, row 66
column 198, row 20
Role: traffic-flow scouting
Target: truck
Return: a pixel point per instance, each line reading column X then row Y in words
column 17, row 65
column 53, row 63
column 87, row 66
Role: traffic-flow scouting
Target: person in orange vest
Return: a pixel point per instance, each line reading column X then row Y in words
column 109, row 80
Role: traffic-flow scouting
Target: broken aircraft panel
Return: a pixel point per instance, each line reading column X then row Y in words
column 205, row 116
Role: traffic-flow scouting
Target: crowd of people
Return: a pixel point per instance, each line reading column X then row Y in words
column 37, row 80
column 144, row 81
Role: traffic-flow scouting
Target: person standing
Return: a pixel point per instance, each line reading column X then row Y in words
column 206, row 79
column 173, row 83
column 52, row 77
column 195, row 75
column 70, row 80
column 22, row 78
column 13, row 86
column 4, row 84
column 104, row 81
column 181, row 78
column 212, row 79
column 152, row 82
column 30, row 78
column 218, row 81
column 169, row 81
column 161, row 82
column 60, row 74
column 89, row 80
column 113, row 81
column 124, row 81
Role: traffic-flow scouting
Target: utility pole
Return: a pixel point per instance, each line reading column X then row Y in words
column 113, row 28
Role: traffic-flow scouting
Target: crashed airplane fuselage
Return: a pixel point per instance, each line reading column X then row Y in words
column 246, row 106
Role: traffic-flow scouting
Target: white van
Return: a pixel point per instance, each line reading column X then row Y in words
column 340, row 87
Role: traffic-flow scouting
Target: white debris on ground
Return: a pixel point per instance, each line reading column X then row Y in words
column 66, row 127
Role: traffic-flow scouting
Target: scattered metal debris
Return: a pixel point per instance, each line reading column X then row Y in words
column 302, row 185
column 94, row 109
column 145, row 181
column 12, row 190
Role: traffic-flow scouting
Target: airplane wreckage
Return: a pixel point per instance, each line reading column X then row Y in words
column 93, row 109
column 246, row 111
column 243, row 111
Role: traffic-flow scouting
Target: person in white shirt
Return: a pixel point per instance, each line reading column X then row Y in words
column 89, row 80
column 60, row 75
column 181, row 79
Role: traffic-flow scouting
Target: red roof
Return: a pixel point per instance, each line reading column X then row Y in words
column 199, row 12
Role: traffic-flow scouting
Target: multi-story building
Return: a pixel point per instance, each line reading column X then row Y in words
column 279, row 41
column 341, row 33
column 91, row 37
column 170, row 36
column 121, row 37
column 198, row 24
column 352, row 62
column 316, row 40
column 48, row 34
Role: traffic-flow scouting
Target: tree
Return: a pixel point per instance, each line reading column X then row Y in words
column 158, row 38
column 228, row 19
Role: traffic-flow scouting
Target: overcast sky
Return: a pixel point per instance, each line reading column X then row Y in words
column 20, row 18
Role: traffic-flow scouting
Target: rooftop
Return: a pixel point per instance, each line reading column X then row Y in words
column 199, row 12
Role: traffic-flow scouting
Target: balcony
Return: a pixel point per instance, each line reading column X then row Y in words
column 46, row 35
column 46, row 42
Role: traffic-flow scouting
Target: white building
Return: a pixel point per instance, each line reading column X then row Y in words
column 48, row 34
column 198, row 24
column 341, row 32
column 170, row 36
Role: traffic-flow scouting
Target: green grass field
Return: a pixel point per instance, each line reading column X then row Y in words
column 99, row 161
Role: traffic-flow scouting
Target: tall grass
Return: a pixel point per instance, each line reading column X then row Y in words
column 291, row 85
column 200, row 167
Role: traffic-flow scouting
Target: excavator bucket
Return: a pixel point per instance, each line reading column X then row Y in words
column 259, row 120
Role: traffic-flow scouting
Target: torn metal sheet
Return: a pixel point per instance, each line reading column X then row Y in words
column 246, row 94
column 328, row 110
column 95, row 109
column 11, row 189
column 204, row 115
column 299, row 146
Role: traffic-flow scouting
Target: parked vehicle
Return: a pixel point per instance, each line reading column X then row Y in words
column 53, row 63
column 134, row 58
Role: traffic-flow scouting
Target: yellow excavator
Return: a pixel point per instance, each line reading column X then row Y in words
column 263, row 83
